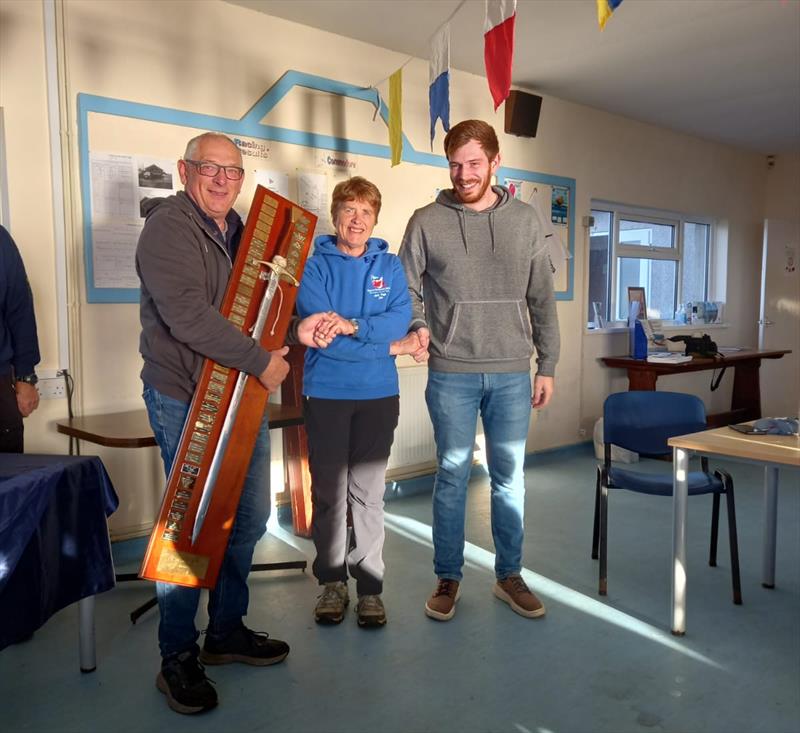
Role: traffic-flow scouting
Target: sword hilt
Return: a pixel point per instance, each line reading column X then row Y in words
column 278, row 266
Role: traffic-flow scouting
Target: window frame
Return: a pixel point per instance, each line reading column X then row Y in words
column 675, row 253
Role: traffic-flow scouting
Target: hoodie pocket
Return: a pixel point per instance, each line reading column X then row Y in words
column 489, row 330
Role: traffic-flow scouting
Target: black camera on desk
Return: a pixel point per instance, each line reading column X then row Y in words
column 702, row 346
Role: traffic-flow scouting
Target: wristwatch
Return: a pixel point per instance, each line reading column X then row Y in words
column 29, row 378
column 354, row 321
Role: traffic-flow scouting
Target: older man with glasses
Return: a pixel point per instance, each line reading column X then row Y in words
column 184, row 260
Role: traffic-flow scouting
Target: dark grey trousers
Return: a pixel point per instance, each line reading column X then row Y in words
column 348, row 448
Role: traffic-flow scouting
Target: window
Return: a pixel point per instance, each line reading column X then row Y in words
column 666, row 254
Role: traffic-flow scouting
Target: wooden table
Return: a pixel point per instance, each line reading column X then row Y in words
column 746, row 397
column 132, row 429
column 772, row 451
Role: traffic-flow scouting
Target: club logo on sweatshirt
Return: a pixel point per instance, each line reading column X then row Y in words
column 378, row 288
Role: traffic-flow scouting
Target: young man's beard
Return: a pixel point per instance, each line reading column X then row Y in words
column 475, row 194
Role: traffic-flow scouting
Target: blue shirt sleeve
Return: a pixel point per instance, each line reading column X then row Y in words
column 392, row 324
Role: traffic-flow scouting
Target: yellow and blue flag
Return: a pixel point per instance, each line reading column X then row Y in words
column 396, row 116
column 604, row 10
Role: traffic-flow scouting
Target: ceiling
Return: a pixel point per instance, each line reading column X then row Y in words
column 723, row 70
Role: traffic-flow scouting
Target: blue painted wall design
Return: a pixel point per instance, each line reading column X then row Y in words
column 250, row 125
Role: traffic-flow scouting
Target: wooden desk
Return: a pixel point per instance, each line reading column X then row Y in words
column 771, row 450
column 132, row 429
column 746, row 397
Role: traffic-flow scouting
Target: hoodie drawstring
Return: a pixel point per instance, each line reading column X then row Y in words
column 462, row 221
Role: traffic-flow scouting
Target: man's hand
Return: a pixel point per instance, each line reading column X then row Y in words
column 424, row 337
column 27, row 398
column 409, row 344
column 543, row 388
column 313, row 330
column 276, row 370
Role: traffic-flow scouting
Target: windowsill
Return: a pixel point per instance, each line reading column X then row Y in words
column 688, row 328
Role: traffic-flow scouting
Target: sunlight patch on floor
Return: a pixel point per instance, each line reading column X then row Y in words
column 483, row 560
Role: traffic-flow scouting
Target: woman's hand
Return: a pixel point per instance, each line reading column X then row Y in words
column 333, row 325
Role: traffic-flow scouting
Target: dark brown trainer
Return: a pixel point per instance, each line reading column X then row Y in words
column 442, row 604
column 514, row 591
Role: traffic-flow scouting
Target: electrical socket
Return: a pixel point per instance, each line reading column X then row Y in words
column 52, row 389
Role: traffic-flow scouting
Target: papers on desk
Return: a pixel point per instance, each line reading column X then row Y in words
column 729, row 349
column 668, row 357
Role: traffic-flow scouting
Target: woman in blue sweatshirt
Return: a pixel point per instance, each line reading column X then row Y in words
column 351, row 398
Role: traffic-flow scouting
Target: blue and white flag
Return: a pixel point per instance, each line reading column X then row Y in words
column 439, row 94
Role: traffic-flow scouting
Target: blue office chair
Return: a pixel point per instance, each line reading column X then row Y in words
column 643, row 422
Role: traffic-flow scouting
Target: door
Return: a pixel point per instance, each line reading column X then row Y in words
column 779, row 318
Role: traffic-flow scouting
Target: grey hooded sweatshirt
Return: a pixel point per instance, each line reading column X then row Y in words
column 482, row 283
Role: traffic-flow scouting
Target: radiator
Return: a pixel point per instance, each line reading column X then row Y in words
column 413, row 450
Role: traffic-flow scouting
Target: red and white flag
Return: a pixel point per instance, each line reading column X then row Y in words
column 498, row 47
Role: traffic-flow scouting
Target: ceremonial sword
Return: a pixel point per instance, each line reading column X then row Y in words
column 278, row 267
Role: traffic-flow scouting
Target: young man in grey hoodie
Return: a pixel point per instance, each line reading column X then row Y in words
column 482, row 292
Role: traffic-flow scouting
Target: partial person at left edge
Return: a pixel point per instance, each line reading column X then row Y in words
column 19, row 347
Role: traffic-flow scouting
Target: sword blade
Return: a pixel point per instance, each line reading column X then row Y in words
column 233, row 409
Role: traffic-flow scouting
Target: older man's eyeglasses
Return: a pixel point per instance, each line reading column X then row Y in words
column 205, row 168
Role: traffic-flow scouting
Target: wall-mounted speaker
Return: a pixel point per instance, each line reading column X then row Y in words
column 522, row 113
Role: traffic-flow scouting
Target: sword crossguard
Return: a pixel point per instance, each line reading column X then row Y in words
column 278, row 266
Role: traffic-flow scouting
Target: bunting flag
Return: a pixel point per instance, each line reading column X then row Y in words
column 439, row 92
column 604, row 10
column 498, row 47
column 396, row 115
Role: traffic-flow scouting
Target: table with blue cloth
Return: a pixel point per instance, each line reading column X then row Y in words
column 54, row 544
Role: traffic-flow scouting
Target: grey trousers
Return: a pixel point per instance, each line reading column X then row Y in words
column 348, row 448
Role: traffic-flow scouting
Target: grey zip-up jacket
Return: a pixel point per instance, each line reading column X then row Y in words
column 482, row 283
column 184, row 271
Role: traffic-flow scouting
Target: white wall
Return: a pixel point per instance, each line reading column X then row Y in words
column 158, row 53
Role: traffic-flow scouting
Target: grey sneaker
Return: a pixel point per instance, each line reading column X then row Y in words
column 370, row 611
column 332, row 603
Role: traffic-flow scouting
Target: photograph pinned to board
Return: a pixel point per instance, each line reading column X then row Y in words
column 559, row 204
column 514, row 186
column 276, row 181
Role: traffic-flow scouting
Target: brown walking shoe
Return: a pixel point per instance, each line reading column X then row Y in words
column 514, row 591
column 442, row 604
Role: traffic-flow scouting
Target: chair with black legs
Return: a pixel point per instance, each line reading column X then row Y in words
column 643, row 422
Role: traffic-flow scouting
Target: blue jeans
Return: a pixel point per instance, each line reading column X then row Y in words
column 504, row 403
column 227, row 602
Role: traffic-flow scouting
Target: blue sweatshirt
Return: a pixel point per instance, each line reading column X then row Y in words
column 19, row 345
column 372, row 289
